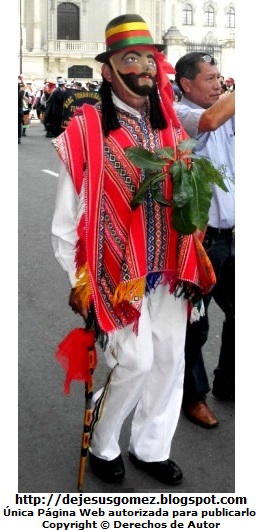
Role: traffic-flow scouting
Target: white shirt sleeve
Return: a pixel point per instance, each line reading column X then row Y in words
column 189, row 118
column 68, row 208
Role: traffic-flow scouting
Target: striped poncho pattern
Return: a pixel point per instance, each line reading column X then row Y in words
column 122, row 253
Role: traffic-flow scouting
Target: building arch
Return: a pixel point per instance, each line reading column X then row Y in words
column 209, row 15
column 187, row 14
column 230, row 16
column 68, row 21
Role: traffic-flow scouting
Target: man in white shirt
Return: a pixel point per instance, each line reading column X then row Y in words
column 210, row 120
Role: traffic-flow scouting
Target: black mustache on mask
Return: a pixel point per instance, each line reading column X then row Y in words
column 136, row 76
column 131, row 81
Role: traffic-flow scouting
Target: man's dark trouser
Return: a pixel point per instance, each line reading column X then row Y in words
column 221, row 251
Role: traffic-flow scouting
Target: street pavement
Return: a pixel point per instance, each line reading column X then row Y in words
column 50, row 422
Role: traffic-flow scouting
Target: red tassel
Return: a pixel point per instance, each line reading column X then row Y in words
column 77, row 354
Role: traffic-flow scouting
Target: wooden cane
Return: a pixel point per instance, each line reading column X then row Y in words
column 77, row 354
column 87, row 426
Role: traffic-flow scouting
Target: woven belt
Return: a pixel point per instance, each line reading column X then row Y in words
column 220, row 232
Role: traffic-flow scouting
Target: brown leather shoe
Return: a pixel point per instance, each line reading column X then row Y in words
column 200, row 414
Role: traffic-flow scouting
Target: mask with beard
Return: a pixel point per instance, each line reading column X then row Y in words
column 135, row 70
column 132, row 82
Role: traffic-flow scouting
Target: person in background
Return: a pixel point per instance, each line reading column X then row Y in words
column 77, row 85
column 46, row 103
column 37, row 103
column 123, row 263
column 230, row 84
column 26, row 108
column 57, row 98
column 21, row 79
column 176, row 90
column 223, row 86
column 49, row 86
column 21, row 93
column 93, row 86
column 30, row 94
column 210, row 120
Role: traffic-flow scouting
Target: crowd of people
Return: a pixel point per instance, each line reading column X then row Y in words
column 25, row 106
column 127, row 284
column 47, row 103
column 36, row 102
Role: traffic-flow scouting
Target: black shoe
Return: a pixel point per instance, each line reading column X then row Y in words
column 111, row 471
column 166, row 471
column 19, row 142
column 223, row 393
column 223, row 386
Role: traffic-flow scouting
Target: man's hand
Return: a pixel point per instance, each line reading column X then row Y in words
column 75, row 304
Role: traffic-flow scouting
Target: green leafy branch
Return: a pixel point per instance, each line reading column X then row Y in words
column 191, row 177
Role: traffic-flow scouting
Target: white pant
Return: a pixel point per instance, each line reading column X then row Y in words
column 148, row 375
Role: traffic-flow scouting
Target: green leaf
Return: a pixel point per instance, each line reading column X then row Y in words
column 136, row 201
column 191, row 198
column 144, row 185
column 182, row 190
column 158, row 197
column 187, row 145
column 165, row 152
column 192, row 192
column 156, row 193
column 200, row 201
column 181, row 220
column 143, row 158
column 158, row 178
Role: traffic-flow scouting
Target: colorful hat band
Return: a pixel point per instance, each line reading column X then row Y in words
column 130, row 34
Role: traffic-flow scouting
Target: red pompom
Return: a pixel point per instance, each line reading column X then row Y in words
column 77, row 354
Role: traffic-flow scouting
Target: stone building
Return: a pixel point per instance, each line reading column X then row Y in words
column 59, row 38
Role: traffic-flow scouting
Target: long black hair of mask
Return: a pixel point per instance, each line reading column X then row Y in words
column 109, row 116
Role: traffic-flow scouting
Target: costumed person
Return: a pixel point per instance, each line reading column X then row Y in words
column 132, row 275
column 210, row 119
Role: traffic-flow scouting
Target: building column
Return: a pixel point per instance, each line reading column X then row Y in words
column 169, row 14
column 51, row 20
column 22, row 24
column 84, row 20
column 37, row 26
column 175, row 44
